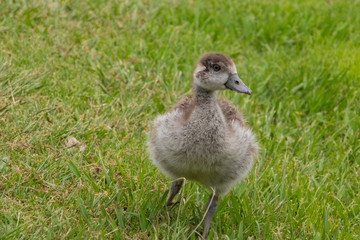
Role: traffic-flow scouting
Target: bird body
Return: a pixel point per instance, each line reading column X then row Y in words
column 203, row 138
column 209, row 145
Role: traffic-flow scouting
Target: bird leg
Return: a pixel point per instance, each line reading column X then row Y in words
column 174, row 189
column 210, row 208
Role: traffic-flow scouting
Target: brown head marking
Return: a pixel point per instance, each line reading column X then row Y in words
column 208, row 59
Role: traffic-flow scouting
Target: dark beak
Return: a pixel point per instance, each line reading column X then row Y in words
column 236, row 84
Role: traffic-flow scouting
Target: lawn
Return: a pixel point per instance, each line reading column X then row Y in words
column 100, row 71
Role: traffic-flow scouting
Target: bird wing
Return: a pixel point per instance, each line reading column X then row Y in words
column 185, row 106
column 230, row 112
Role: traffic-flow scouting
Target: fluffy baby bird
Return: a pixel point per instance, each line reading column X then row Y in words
column 203, row 138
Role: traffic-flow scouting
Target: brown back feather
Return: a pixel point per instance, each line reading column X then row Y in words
column 230, row 112
column 186, row 105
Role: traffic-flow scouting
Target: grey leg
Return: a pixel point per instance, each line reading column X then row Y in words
column 174, row 189
column 210, row 213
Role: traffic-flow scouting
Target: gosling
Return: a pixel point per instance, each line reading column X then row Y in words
column 203, row 138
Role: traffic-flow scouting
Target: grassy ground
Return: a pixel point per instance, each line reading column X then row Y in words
column 100, row 71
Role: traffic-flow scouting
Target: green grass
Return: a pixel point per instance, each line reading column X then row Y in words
column 102, row 70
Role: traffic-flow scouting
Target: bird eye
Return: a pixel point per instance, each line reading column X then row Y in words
column 216, row 67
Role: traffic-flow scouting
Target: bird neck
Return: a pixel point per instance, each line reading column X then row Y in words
column 203, row 96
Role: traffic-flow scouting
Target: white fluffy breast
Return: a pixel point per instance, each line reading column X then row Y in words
column 219, row 165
